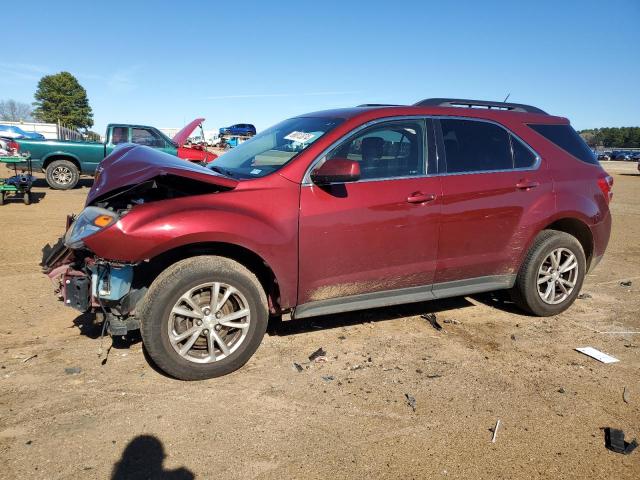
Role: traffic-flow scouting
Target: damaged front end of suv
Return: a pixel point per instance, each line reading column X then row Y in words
column 91, row 267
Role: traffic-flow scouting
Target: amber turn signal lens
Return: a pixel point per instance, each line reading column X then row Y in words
column 102, row 221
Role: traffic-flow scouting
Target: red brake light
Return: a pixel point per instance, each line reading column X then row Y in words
column 605, row 184
column 14, row 146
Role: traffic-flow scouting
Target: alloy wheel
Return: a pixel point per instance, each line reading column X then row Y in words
column 557, row 276
column 62, row 175
column 209, row 322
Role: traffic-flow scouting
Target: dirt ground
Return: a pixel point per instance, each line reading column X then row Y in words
column 346, row 418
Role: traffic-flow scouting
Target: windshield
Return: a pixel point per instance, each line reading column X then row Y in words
column 270, row 150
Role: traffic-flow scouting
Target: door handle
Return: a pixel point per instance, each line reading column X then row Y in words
column 526, row 184
column 419, row 197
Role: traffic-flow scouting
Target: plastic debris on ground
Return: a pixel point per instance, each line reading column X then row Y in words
column 584, row 296
column 297, row 367
column 411, row 401
column 597, row 354
column 625, row 395
column 320, row 355
column 431, row 318
column 626, row 283
column 495, row 431
column 614, row 441
column 72, row 370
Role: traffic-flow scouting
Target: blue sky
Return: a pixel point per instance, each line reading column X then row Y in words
column 165, row 63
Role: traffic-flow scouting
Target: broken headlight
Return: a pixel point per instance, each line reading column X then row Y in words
column 91, row 220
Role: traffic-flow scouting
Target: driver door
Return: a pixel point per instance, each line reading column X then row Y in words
column 376, row 236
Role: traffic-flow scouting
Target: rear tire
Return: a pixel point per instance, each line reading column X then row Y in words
column 551, row 275
column 180, row 301
column 62, row 175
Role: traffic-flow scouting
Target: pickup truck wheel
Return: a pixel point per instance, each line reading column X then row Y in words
column 203, row 317
column 551, row 275
column 62, row 175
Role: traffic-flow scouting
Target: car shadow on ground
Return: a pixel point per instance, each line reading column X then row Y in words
column 142, row 458
column 500, row 300
column 82, row 183
column 90, row 325
column 35, row 197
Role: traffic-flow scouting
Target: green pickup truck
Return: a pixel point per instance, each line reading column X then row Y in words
column 64, row 161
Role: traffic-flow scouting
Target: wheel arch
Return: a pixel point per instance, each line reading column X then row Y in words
column 578, row 229
column 249, row 259
column 61, row 156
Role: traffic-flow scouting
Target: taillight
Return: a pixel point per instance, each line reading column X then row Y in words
column 14, row 146
column 605, row 184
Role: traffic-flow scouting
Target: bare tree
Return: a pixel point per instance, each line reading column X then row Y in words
column 13, row 111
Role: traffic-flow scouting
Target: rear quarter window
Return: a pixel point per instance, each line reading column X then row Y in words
column 565, row 137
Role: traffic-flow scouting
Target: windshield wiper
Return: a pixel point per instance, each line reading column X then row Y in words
column 223, row 171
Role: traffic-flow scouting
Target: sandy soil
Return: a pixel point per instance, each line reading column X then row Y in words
column 346, row 418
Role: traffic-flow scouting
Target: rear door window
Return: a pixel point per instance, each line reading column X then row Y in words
column 475, row 146
column 523, row 157
column 565, row 137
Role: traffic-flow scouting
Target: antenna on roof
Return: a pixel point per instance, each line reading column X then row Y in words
column 507, row 97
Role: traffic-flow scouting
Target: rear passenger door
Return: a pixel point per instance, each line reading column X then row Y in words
column 494, row 188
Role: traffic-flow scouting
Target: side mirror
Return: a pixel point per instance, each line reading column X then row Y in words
column 336, row 170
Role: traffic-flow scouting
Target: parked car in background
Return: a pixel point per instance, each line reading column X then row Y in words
column 239, row 129
column 603, row 157
column 621, row 156
column 63, row 161
column 11, row 131
column 331, row 212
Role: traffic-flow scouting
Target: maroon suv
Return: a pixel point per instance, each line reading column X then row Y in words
column 330, row 212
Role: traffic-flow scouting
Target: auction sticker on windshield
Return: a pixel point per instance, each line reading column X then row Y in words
column 301, row 137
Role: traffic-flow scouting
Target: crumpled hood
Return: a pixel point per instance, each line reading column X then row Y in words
column 181, row 137
column 129, row 165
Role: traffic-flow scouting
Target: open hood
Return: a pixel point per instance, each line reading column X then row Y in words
column 131, row 165
column 181, row 137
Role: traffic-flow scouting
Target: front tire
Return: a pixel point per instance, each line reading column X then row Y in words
column 551, row 275
column 62, row 175
column 203, row 317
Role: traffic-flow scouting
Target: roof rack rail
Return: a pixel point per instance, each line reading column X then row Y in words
column 379, row 105
column 460, row 102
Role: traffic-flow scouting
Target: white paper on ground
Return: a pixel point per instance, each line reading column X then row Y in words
column 597, row 354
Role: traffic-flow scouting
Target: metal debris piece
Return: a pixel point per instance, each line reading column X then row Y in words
column 584, row 296
column 625, row 395
column 29, row 358
column 72, row 370
column 495, row 431
column 452, row 321
column 411, row 401
column 614, row 441
column 320, row 355
column 298, row 367
column 328, row 378
column 626, row 283
column 431, row 318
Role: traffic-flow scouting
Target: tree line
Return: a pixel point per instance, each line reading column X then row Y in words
column 614, row 137
column 59, row 98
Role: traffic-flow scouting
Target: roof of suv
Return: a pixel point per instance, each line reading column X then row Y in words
column 451, row 107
